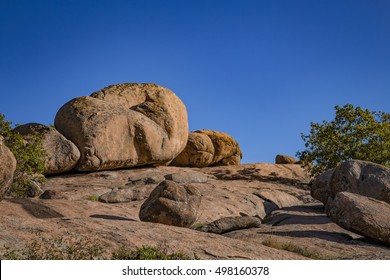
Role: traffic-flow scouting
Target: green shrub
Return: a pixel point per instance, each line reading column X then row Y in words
column 29, row 154
column 353, row 134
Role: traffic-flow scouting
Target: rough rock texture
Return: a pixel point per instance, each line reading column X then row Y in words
column 62, row 154
column 125, row 125
column 187, row 177
column 363, row 215
column 320, row 189
column 228, row 192
column 362, row 177
column 283, row 159
column 227, row 224
column 171, row 203
column 209, row 148
column 274, row 199
column 7, row 168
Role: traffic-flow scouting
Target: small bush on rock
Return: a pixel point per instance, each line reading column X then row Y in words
column 29, row 154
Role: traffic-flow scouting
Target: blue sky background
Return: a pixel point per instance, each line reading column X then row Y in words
column 258, row 70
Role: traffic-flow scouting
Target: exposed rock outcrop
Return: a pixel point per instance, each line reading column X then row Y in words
column 229, row 192
column 7, row 168
column 209, row 148
column 172, row 203
column 125, row 125
column 62, row 154
column 363, row 215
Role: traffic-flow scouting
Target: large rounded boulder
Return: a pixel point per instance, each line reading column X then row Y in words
column 7, row 168
column 209, row 148
column 125, row 125
column 354, row 176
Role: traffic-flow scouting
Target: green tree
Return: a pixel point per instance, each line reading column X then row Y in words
column 353, row 134
column 29, row 154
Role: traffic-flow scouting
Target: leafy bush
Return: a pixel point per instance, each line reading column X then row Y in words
column 353, row 134
column 29, row 154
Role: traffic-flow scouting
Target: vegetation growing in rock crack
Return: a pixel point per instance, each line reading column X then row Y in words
column 294, row 248
column 29, row 154
column 148, row 253
column 355, row 133
column 72, row 247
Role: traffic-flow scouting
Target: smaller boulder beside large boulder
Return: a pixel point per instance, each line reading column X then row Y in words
column 62, row 154
column 363, row 215
column 7, row 168
column 320, row 188
column 209, row 148
column 171, row 203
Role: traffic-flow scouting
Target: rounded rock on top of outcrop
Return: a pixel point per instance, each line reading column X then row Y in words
column 171, row 203
column 157, row 103
column 125, row 125
column 199, row 151
column 7, row 168
column 283, row 159
column 363, row 215
column 62, row 154
column 362, row 177
column 209, row 148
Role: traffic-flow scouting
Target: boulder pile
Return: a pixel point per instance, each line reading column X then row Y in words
column 357, row 197
column 128, row 125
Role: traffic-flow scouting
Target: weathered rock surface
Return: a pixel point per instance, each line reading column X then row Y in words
column 228, row 192
column 362, row 177
column 62, row 154
column 125, row 125
column 363, row 215
column 187, row 177
column 227, row 224
column 7, row 168
column 209, row 148
column 172, row 203
column 355, row 176
column 320, row 189
column 283, row 159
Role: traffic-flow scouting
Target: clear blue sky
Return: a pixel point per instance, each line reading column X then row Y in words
column 258, row 70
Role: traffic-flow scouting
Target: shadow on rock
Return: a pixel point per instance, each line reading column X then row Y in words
column 111, row 217
column 36, row 209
